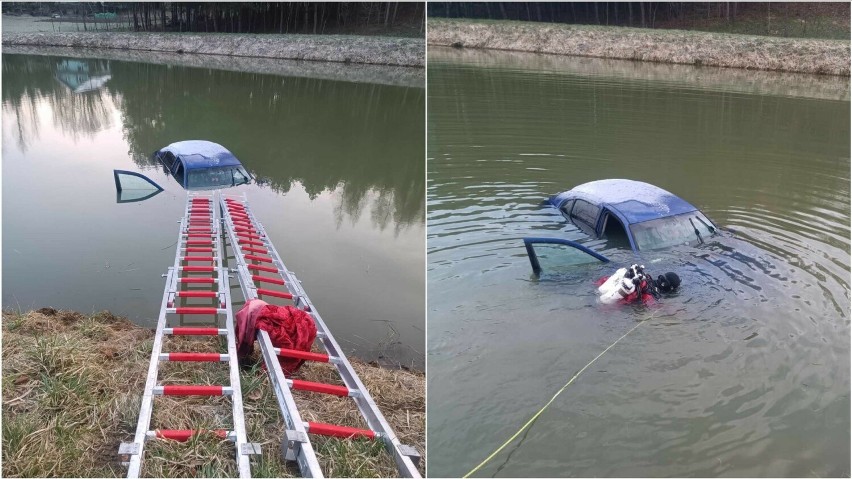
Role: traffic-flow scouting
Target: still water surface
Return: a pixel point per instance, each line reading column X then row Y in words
column 340, row 188
column 745, row 372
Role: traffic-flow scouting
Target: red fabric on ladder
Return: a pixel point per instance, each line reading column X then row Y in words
column 288, row 327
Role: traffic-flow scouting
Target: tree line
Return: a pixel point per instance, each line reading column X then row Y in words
column 237, row 17
column 635, row 14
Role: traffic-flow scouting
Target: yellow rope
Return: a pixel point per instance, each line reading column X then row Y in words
column 532, row 419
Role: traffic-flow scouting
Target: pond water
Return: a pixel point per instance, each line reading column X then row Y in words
column 744, row 372
column 340, row 188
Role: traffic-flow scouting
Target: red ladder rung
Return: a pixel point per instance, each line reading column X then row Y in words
column 257, row 258
column 320, row 387
column 189, row 331
column 200, row 235
column 307, row 355
column 196, row 280
column 339, row 431
column 250, row 242
column 260, row 267
column 197, row 258
column 195, row 357
column 199, row 243
column 255, row 250
column 196, row 294
column 199, row 250
column 174, row 390
column 198, row 269
column 196, row 310
column 267, row 279
column 277, row 294
column 183, row 435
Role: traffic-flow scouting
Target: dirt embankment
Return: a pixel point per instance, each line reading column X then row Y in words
column 333, row 48
column 72, row 386
column 829, row 57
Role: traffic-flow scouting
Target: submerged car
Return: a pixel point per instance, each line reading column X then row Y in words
column 200, row 165
column 628, row 212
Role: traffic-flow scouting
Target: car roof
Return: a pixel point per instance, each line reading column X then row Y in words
column 634, row 201
column 201, row 154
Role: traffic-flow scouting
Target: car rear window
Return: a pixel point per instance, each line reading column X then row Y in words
column 673, row 230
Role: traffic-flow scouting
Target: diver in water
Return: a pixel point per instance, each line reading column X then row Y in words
column 631, row 284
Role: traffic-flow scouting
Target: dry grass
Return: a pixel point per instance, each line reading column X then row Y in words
column 72, row 386
column 831, row 57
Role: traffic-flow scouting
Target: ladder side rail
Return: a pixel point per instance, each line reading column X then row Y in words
column 365, row 403
column 224, row 289
column 305, row 455
column 241, row 442
column 146, row 407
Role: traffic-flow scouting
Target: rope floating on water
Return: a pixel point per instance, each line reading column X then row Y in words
column 536, row 415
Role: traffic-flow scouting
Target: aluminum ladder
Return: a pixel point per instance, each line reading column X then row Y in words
column 200, row 241
column 248, row 240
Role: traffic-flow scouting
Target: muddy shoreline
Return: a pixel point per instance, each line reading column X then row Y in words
column 798, row 55
column 407, row 52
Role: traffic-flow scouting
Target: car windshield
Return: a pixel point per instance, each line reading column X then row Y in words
column 673, row 230
column 219, row 176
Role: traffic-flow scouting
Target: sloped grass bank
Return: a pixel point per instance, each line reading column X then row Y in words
column 399, row 51
column 72, row 386
column 830, row 57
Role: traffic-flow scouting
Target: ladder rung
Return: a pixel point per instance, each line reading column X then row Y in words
column 199, row 230
column 248, row 236
column 199, row 235
column 257, row 258
column 319, row 387
column 199, row 243
column 182, row 279
column 195, row 310
column 324, row 429
column 198, row 258
column 175, row 390
column 185, row 434
column 260, row 267
column 196, row 294
column 250, row 242
column 197, row 269
column 267, row 279
column 194, row 357
column 277, row 294
column 255, row 250
column 295, row 353
column 199, row 250
column 193, row 331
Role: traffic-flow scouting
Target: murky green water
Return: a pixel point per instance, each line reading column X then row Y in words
column 340, row 190
column 744, row 373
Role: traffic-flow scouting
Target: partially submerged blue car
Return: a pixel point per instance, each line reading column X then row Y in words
column 200, row 165
column 629, row 212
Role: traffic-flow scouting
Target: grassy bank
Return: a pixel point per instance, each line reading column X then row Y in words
column 72, row 386
column 667, row 46
column 373, row 50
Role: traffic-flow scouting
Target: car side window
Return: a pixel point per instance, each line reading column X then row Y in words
column 179, row 172
column 566, row 209
column 585, row 212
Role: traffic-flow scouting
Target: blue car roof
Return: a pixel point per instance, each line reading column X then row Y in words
column 201, row 154
column 635, row 201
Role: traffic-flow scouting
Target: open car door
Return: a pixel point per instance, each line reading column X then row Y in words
column 131, row 186
column 556, row 253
